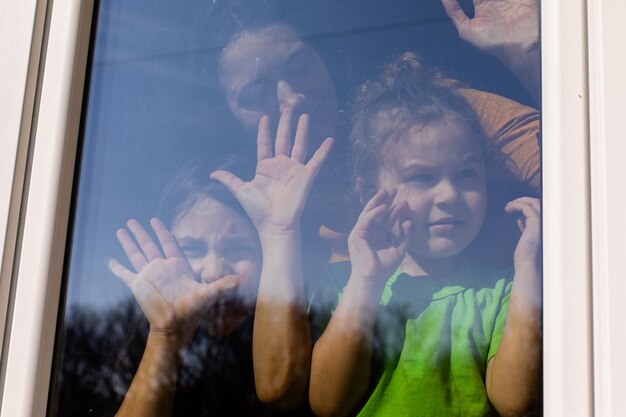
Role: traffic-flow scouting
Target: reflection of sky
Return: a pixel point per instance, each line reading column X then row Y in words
column 154, row 103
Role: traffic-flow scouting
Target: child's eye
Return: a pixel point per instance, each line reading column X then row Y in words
column 252, row 94
column 422, row 178
column 193, row 250
column 237, row 252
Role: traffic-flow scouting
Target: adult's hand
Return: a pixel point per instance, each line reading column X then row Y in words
column 275, row 198
column 506, row 29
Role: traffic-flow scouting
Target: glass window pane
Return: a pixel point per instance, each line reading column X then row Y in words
column 226, row 258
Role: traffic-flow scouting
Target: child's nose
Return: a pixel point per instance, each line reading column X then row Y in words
column 213, row 267
column 447, row 193
column 288, row 96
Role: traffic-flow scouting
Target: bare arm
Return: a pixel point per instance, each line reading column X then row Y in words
column 274, row 201
column 152, row 391
column 514, row 374
column 340, row 367
column 281, row 338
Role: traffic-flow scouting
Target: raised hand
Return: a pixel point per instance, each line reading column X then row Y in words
column 506, row 29
column 496, row 23
column 163, row 283
column 528, row 249
column 275, row 198
column 374, row 250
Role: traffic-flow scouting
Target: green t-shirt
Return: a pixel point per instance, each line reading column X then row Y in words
column 434, row 338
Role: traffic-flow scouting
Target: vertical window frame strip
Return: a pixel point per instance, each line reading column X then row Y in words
column 607, row 149
column 567, row 323
column 21, row 38
column 39, row 264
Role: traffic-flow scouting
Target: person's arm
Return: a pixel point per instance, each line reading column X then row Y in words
column 274, row 201
column 152, row 390
column 173, row 302
column 340, row 367
column 507, row 30
column 513, row 379
column 514, row 131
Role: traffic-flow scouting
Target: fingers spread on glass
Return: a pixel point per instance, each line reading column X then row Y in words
column 276, row 196
column 167, row 241
column 148, row 246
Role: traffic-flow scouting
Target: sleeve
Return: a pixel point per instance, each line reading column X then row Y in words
column 496, row 335
column 514, row 130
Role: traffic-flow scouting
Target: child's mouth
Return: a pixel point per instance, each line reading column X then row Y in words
column 447, row 224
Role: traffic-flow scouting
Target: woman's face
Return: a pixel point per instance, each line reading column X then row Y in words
column 217, row 241
column 264, row 70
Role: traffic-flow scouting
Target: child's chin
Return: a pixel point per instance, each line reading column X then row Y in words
column 445, row 248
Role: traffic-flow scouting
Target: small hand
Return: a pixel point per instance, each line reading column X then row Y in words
column 164, row 284
column 275, row 198
column 374, row 251
column 528, row 249
column 497, row 24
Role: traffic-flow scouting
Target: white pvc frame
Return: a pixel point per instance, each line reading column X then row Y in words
column 21, row 33
column 607, row 88
column 34, row 275
column 36, row 279
column 568, row 384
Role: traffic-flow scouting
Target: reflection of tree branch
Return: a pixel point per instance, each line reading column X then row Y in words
column 95, row 371
column 102, row 350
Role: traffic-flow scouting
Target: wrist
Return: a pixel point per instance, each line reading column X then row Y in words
column 527, row 264
column 371, row 287
column 359, row 303
column 165, row 341
column 519, row 56
column 272, row 234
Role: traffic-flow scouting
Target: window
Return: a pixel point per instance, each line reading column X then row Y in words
column 30, row 349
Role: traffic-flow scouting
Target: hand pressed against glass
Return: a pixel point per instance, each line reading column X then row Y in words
column 374, row 250
column 210, row 277
column 276, row 197
column 497, row 23
column 506, row 29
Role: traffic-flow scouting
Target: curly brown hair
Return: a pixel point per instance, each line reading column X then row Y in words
column 407, row 94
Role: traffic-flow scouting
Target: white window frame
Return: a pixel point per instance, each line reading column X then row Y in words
column 607, row 93
column 39, row 134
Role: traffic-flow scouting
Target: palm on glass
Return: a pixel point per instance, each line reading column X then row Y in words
column 496, row 23
column 276, row 196
column 375, row 251
column 171, row 297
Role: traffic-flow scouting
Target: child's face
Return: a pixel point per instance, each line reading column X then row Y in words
column 217, row 241
column 439, row 171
